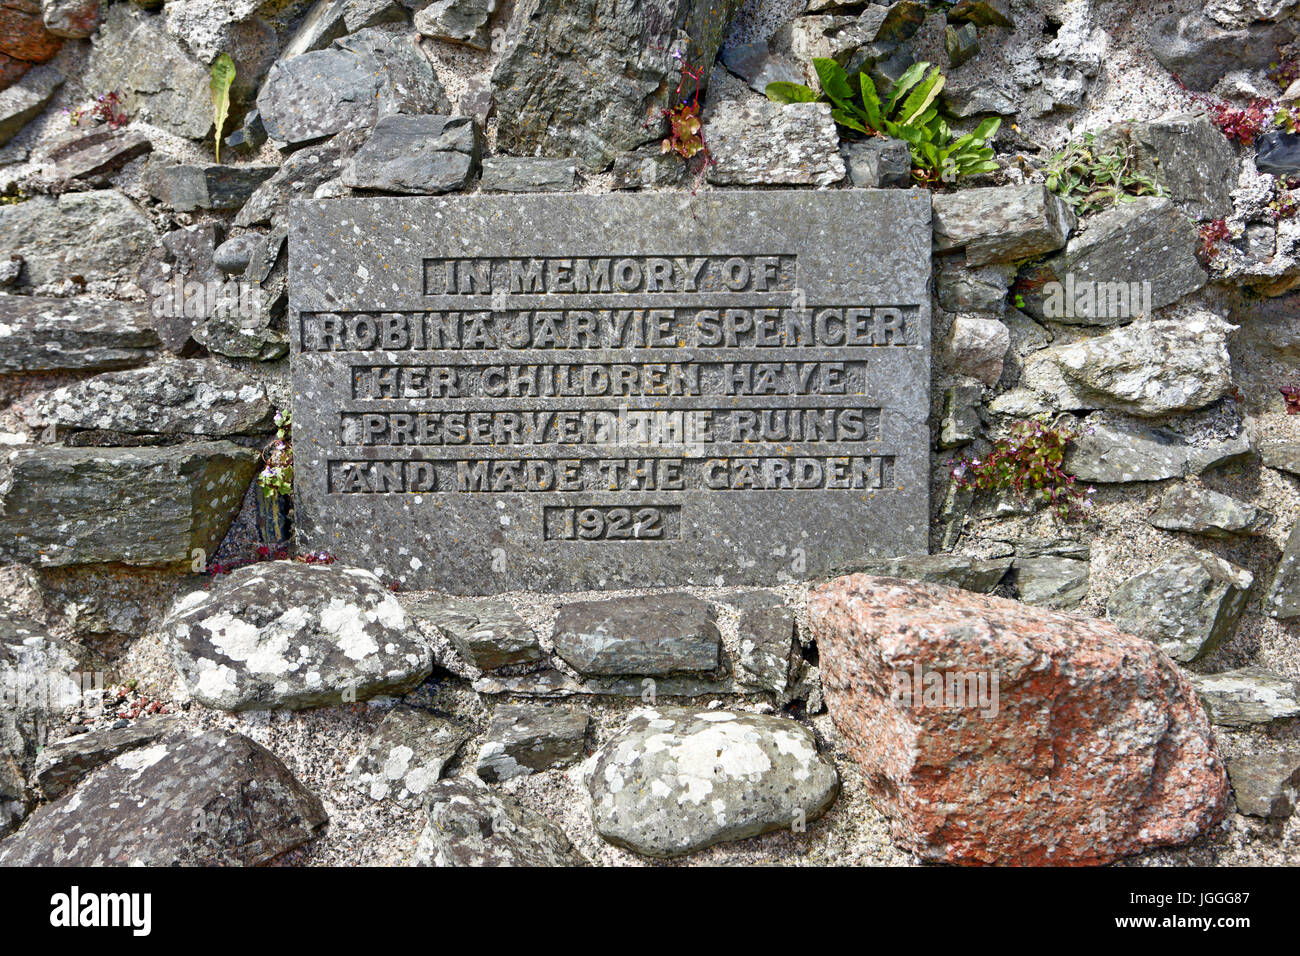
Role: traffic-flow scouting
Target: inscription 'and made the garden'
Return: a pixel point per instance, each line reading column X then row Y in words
column 623, row 391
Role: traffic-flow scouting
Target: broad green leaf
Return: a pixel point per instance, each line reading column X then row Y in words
column 871, row 103
column 987, row 129
column 905, row 82
column 845, row 118
column 835, row 82
column 222, row 76
column 782, row 92
column 921, row 98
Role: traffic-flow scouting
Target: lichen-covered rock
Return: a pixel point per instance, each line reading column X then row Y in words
column 416, row 155
column 23, row 35
column 406, row 755
column 486, row 634
column 994, row 732
column 1001, row 223
column 1282, row 455
column 95, row 235
column 73, row 19
column 461, row 21
column 590, row 79
column 528, row 738
column 210, row 799
column 1050, row 580
column 759, row 142
column 1201, row 51
column 148, row 507
column 299, row 177
column 1266, row 785
column 89, row 157
column 652, row 634
column 328, row 20
column 768, row 649
column 286, row 635
column 1283, row 600
column 23, row 101
column 677, row 780
column 47, row 335
column 472, row 825
column 1114, row 453
column 193, row 397
column 1201, row 510
column 63, row 763
column 359, row 79
column 1189, row 604
column 181, row 257
column 1248, row 696
column 1187, row 156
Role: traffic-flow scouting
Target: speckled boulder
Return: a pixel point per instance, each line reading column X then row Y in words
column 1090, row 745
column 406, row 755
column 677, row 780
column 210, row 799
column 286, row 635
column 472, row 825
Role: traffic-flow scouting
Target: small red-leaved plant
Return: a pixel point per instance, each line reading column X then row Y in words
column 1028, row 461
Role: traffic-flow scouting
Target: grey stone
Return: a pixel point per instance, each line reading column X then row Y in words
column 1282, row 455
column 648, row 166
column 768, row 650
column 1266, row 785
column 1203, row 511
column 96, row 235
column 1144, row 241
column 249, row 33
column 11, row 270
column 91, row 157
column 74, row 19
column 406, row 755
column 982, row 13
column 516, row 174
column 358, row 80
column 648, row 635
column 212, row 799
column 181, row 258
column 477, row 99
column 759, row 142
column 1247, row 697
column 1117, row 454
column 549, row 682
column 299, row 177
column 1200, row 52
column 23, row 101
column 461, row 21
column 677, row 780
column 1283, row 600
column 1050, row 581
column 710, row 527
column 977, row 347
column 472, row 825
column 248, row 137
column 757, row 65
column 167, row 86
column 186, row 188
column 46, row 335
column 1189, row 604
column 973, row 290
column 1187, row 156
column 582, row 79
column 528, row 738
column 149, row 507
column 179, row 398
column 1001, row 223
column 977, row 97
column 328, row 20
column 487, row 634
column 284, row 635
column 837, row 37
column 961, row 43
column 878, row 161
column 63, row 764
column 235, row 255
column 954, row 570
column 420, row 155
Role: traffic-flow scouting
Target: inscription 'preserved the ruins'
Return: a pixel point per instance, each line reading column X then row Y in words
column 486, row 398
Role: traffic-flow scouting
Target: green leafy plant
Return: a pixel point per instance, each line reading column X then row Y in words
column 276, row 476
column 222, row 76
column 1030, row 462
column 1091, row 178
column 908, row 112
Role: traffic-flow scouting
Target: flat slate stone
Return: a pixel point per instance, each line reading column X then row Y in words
column 62, row 764
column 649, row 635
column 406, row 755
column 527, row 174
column 23, row 102
column 97, row 235
column 187, row 187
column 1204, row 511
column 1283, row 600
column 487, row 634
column 1284, row 456
column 611, row 391
column 528, row 738
column 92, row 156
column 49, row 335
column 421, row 155
column 149, row 507
column 1001, row 223
column 1248, row 696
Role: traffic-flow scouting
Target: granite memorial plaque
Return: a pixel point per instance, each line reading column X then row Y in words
column 570, row 392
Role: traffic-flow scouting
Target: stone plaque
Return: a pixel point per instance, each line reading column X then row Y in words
column 570, row 392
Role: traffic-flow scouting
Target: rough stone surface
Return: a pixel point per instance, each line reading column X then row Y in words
column 759, row 142
column 1050, row 580
column 1283, row 600
column 173, row 398
column 1094, row 747
column 1189, row 604
column 421, row 155
column 757, row 65
column 1201, row 510
column 1200, row 52
column 187, row 187
column 472, row 825
column 96, row 235
column 978, row 347
column 1187, row 156
column 486, row 634
column 73, row 19
column 878, row 161
column 211, row 799
column 23, row 35
column 590, row 79
column 64, row 763
column 1116, row 453
column 359, row 79
column 1284, row 456
column 461, row 21
column 1248, row 696
column 649, row 635
column 1001, row 223
column 45, row 335
column 355, row 261
column 517, row 174
column 527, row 738
column 91, row 157
column 677, row 780
column 286, row 635
column 406, row 755
column 150, row 507
column 1266, row 785
column 768, row 649
column 300, row 176
column 23, row 102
